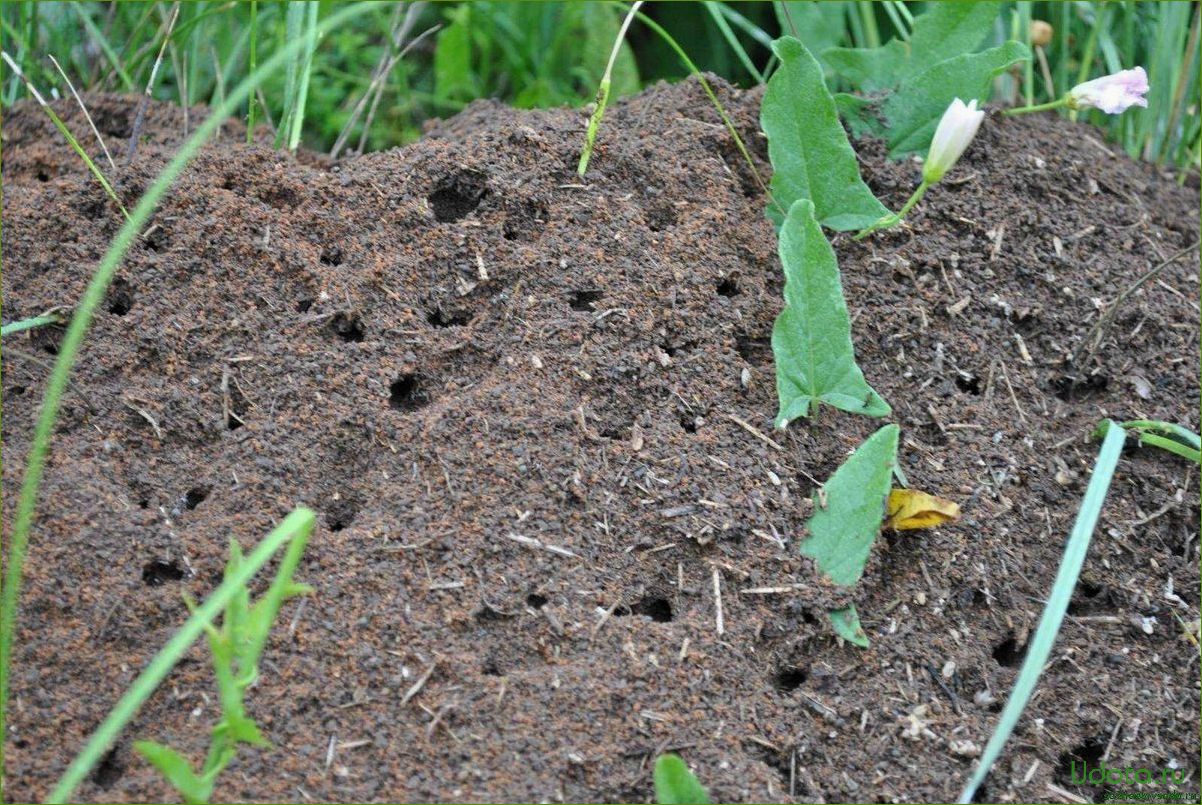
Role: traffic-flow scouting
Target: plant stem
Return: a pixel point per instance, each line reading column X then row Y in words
column 894, row 219
column 594, row 121
column 1039, row 107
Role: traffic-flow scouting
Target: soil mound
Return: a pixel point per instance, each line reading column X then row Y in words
column 459, row 352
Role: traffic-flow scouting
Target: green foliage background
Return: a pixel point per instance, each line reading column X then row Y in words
column 550, row 53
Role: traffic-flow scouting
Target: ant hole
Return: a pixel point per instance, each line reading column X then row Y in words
column 304, row 305
column 969, row 385
column 406, row 393
column 331, row 256
column 728, row 287
column 1009, row 653
column 340, row 515
column 120, row 297
column 790, row 678
column 439, row 318
column 536, row 601
column 584, row 300
column 195, row 497
column 348, row 327
column 158, row 572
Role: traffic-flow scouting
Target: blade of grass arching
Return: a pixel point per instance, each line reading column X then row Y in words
column 140, row 115
column 594, row 121
column 1175, row 447
column 1186, row 88
column 1024, row 22
column 298, row 111
column 86, row 115
column 713, row 7
column 294, row 529
column 14, row 327
column 18, row 543
column 127, row 84
column 709, row 91
column 62, row 127
column 292, row 30
column 872, row 34
column 891, row 12
column 1053, row 612
column 1172, row 429
column 746, row 26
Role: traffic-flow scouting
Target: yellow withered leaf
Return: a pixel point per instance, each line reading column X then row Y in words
column 909, row 509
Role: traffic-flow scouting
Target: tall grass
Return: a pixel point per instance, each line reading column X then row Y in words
column 552, row 53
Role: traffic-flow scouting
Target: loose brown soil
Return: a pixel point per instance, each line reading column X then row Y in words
column 440, row 347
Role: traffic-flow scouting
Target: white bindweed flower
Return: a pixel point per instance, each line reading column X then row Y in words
column 1113, row 94
column 956, row 129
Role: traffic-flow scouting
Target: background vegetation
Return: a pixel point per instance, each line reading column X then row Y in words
column 373, row 82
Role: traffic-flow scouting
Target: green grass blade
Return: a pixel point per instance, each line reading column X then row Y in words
column 1053, row 613
column 14, row 327
column 715, row 12
column 127, row 83
column 675, row 784
column 69, row 348
column 296, row 525
column 306, row 73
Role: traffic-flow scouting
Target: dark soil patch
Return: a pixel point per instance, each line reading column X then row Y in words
column 443, row 346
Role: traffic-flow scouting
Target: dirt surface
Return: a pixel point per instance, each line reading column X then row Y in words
column 447, row 347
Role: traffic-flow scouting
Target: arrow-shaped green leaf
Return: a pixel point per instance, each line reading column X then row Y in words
column 811, row 157
column 811, row 341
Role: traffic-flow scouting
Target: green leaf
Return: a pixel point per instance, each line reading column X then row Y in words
column 862, row 115
column 811, row 340
column 914, row 110
column 811, row 157
column 598, row 26
column 945, row 30
column 846, row 623
column 849, row 508
column 176, row 769
column 820, row 25
column 453, row 58
column 676, row 785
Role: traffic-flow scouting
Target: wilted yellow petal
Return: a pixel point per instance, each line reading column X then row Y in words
column 909, row 509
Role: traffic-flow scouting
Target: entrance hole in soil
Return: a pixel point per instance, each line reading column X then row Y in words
column 584, row 300
column 304, row 305
column 43, row 175
column 491, row 668
column 536, row 600
column 526, row 223
column 195, row 496
column 689, row 423
column 1069, row 388
column 1008, row 653
column 156, row 239
column 1087, row 598
column 406, row 393
column 47, row 339
column 756, row 351
column 340, row 515
column 661, row 217
column 653, row 607
column 348, row 327
column 728, row 287
column 457, row 197
column 1088, row 752
column 969, row 384
column 331, row 256
column 109, row 770
column 440, row 318
column 790, row 678
column 120, row 297
column 237, row 408
column 158, row 572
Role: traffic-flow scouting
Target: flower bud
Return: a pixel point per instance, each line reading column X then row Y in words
column 1113, row 94
column 956, row 129
column 1041, row 33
